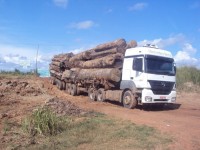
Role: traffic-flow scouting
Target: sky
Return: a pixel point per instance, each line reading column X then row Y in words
column 61, row 26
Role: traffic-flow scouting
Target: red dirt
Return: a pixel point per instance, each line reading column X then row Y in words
column 182, row 121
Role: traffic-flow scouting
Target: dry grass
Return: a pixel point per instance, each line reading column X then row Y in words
column 97, row 131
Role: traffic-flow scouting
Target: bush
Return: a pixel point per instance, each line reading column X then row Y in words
column 18, row 72
column 187, row 75
column 44, row 121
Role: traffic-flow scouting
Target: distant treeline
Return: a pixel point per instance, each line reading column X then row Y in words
column 187, row 78
column 18, row 72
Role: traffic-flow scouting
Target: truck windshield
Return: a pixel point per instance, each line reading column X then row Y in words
column 160, row 65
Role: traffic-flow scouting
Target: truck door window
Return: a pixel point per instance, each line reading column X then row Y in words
column 137, row 64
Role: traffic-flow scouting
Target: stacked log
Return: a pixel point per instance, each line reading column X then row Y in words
column 103, row 62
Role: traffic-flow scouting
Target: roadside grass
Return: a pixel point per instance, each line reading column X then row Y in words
column 97, row 131
column 188, row 79
column 44, row 122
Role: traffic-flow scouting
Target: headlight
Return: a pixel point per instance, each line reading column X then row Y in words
column 173, row 99
column 148, row 98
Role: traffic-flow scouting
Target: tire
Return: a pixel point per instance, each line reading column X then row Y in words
column 59, row 84
column 100, row 95
column 63, row 85
column 92, row 94
column 78, row 92
column 69, row 88
column 129, row 100
column 52, row 81
column 73, row 91
column 66, row 88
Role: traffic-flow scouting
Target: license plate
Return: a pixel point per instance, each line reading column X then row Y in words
column 162, row 97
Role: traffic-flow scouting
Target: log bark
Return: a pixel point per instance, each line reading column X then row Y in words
column 110, row 74
column 104, row 62
column 56, row 63
column 55, row 68
column 95, row 55
column 62, row 57
column 66, row 74
column 81, row 56
column 57, row 74
column 131, row 44
column 117, row 43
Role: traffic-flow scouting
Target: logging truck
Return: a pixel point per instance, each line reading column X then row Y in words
column 138, row 75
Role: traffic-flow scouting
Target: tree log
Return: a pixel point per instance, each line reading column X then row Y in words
column 81, row 56
column 110, row 74
column 67, row 74
column 131, row 44
column 117, row 43
column 57, row 74
column 95, row 55
column 55, row 68
column 62, row 57
column 104, row 62
column 56, row 63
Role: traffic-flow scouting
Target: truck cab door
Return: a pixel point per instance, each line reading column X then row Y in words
column 132, row 73
column 137, row 73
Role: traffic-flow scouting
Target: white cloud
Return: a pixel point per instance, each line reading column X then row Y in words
column 82, row 25
column 138, row 6
column 15, row 50
column 185, row 56
column 22, row 58
column 187, row 47
column 162, row 43
column 61, row 3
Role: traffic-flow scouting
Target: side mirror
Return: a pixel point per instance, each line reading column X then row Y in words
column 175, row 68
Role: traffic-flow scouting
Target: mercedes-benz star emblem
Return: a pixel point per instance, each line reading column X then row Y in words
column 163, row 84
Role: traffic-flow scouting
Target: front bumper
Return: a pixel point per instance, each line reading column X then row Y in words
column 149, row 97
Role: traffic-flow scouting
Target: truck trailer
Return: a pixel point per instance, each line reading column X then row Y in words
column 137, row 75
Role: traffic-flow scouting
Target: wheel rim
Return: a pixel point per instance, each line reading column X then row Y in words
column 127, row 100
column 100, row 97
column 92, row 95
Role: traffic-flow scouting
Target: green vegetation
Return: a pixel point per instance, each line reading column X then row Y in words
column 187, row 78
column 17, row 72
column 43, row 121
column 93, row 131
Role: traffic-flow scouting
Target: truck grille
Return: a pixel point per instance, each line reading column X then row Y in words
column 161, row 87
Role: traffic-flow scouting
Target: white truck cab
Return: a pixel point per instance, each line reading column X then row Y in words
column 149, row 72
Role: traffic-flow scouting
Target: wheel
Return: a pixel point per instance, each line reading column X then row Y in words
column 73, row 89
column 59, row 84
column 78, row 92
column 66, row 88
column 63, row 85
column 92, row 94
column 129, row 100
column 52, row 81
column 101, row 95
column 69, row 88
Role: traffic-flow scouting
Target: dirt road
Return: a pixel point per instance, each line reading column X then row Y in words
column 181, row 121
